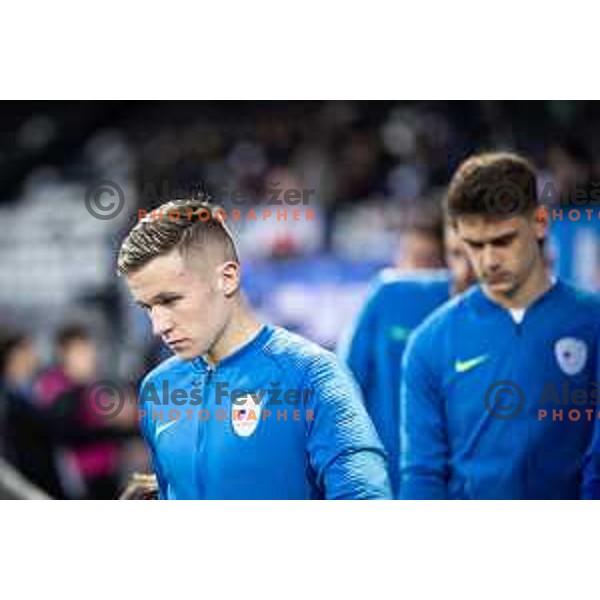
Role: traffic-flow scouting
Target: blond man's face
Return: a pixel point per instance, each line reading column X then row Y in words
column 187, row 306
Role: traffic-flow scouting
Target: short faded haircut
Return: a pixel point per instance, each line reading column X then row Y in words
column 484, row 180
column 189, row 225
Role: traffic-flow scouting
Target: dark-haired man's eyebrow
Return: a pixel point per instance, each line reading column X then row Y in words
column 504, row 239
column 500, row 239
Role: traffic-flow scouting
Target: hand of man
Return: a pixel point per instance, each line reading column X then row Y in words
column 141, row 486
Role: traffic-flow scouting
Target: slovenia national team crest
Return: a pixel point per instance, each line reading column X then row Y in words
column 571, row 355
column 245, row 415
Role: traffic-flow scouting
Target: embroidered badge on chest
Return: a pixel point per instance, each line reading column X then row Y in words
column 571, row 355
column 245, row 415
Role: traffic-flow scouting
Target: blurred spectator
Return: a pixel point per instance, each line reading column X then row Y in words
column 291, row 230
column 86, row 455
column 26, row 442
column 421, row 248
column 571, row 168
column 76, row 365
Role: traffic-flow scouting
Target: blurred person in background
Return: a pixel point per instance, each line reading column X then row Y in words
column 399, row 302
column 25, row 440
column 86, row 450
column 570, row 164
column 293, row 230
column 421, row 247
column 75, row 364
column 570, row 183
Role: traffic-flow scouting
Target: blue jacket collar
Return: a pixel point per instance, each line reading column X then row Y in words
column 252, row 345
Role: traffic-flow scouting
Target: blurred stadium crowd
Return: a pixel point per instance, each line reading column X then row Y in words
column 378, row 171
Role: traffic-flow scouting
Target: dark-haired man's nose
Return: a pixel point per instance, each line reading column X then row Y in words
column 490, row 258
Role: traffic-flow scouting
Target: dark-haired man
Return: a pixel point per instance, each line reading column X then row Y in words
column 477, row 399
column 254, row 411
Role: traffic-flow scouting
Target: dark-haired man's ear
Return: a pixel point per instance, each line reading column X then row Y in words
column 541, row 223
column 229, row 278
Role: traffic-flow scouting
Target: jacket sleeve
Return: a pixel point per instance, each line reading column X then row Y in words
column 343, row 448
column 357, row 347
column 148, row 437
column 590, row 488
column 423, row 433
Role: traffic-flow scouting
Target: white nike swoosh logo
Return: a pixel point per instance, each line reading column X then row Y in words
column 164, row 426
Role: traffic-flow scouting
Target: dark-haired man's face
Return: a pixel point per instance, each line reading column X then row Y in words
column 188, row 306
column 503, row 253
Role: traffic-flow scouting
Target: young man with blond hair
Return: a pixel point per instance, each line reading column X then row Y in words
column 262, row 413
